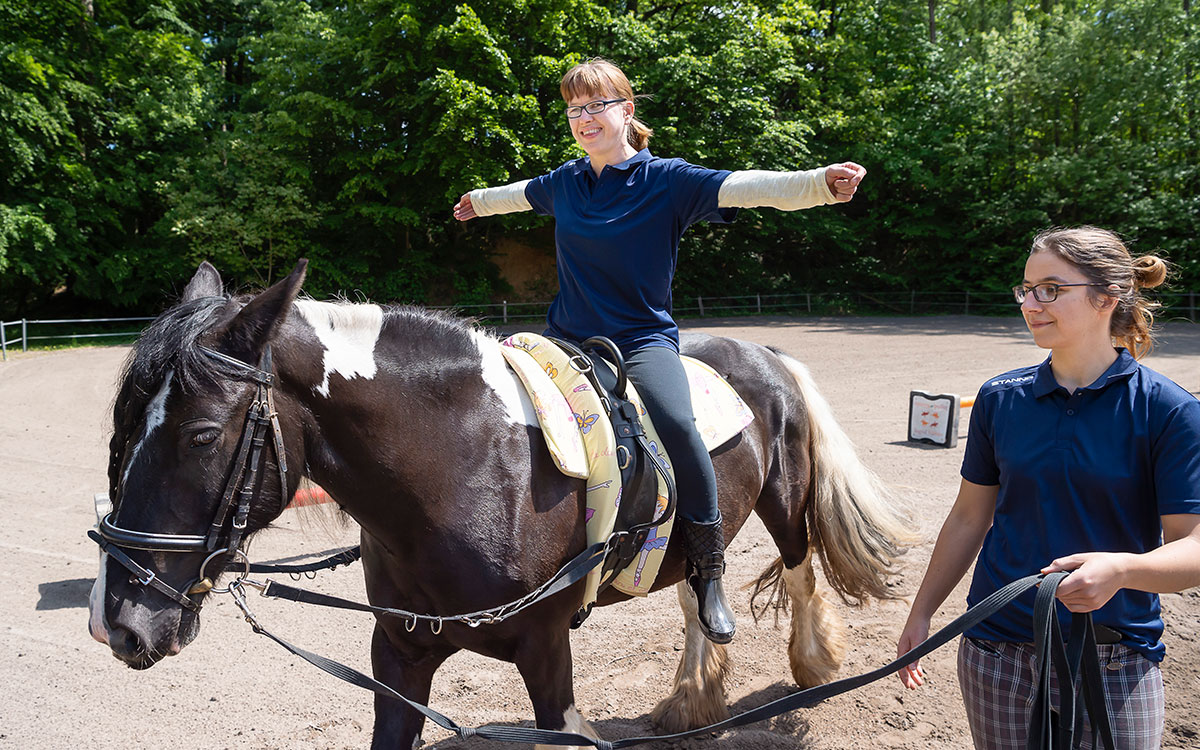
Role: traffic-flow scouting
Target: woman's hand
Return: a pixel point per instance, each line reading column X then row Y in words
column 915, row 633
column 843, row 179
column 463, row 210
column 1095, row 577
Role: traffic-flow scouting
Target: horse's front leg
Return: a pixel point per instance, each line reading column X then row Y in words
column 697, row 697
column 397, row 725
column 544, row 660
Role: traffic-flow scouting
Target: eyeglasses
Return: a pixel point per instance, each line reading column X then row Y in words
column 1042, row 292
column 592, row 108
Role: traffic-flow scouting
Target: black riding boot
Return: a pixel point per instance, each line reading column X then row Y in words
column 705, row 547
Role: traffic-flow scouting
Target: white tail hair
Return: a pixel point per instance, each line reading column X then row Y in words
column 855, row 521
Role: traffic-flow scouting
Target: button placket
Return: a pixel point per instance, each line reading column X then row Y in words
column 1067, row 424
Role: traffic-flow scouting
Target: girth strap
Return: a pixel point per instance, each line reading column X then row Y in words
column 637, row 461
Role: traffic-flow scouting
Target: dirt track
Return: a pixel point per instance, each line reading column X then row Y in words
column 234, row 689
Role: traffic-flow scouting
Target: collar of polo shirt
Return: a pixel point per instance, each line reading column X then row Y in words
column 1044, row 383
column 585, row 163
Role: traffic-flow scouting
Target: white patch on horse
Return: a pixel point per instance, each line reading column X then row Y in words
column 156, row 414
column 574, row 723
column 506, row 383
column 349, row 333
column 97, row 622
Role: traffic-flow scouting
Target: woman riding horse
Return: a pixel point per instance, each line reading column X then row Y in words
column 414, row 425
column 619, row 214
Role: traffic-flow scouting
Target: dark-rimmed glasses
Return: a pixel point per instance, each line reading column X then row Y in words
column 1042, row 292
column 592, row 108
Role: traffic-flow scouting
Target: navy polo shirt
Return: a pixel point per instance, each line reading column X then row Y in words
column 1089, row 471
column 618, row 238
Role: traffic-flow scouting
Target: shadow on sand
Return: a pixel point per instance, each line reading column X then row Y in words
column 791, row 730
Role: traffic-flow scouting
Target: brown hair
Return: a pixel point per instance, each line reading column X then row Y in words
column 1104, row 259
column 599, row 77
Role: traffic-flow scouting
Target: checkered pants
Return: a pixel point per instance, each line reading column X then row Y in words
column 997, row 681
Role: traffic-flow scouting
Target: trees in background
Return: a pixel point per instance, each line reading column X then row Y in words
column 138, row 137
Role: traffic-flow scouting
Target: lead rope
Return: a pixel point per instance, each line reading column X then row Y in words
column 800, row 699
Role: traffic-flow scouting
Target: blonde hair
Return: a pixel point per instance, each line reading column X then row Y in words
column 1104, row 259
column 599, row 77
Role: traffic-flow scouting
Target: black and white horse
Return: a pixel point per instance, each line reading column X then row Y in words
column 412, row 422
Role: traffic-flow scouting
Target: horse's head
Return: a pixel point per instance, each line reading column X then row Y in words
column 194, row 467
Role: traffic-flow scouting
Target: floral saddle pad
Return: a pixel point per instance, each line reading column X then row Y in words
column 581, row 440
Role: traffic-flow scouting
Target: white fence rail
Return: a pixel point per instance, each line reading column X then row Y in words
column 25, row 337
column 1177, row 305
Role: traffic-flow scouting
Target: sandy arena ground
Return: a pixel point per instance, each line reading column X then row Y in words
column 234, row 689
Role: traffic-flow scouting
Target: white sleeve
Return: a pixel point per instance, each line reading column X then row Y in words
column 506, row 199
column 788, row 191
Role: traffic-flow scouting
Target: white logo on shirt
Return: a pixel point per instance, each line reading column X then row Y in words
column 1008, row 381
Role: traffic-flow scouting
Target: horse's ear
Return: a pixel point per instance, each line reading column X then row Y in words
column 206, row 283
column 254, row 327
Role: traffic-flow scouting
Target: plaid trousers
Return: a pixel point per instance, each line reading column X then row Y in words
column 997, row 681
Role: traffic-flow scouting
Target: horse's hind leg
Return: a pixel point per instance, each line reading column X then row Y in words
column 817, row 641
column 697, row 696
column 396, row 724
column 544, row 661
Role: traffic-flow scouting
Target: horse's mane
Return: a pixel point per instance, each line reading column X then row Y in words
column 169, row 344
column 437, row 325
column 172, row 344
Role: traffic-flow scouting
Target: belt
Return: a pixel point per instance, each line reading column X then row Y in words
column 1106, row 635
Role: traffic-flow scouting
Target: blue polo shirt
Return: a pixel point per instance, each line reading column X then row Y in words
column 618, row 239
column 1090, row 471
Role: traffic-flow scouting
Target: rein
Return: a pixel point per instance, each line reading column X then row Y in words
column 1079, row 656
column 240, row 490
column 568, row 575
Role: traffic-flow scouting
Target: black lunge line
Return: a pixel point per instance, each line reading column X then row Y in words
column 801, row 699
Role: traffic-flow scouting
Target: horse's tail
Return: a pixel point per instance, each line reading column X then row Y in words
column 855, row 521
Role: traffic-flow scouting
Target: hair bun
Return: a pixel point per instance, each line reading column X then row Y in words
column 1149, row 271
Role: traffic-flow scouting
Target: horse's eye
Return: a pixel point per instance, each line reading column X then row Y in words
column 201, row 439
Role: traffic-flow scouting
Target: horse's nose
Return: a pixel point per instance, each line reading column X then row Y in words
column 127, row 647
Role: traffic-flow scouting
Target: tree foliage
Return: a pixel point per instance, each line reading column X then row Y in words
column 138, row 137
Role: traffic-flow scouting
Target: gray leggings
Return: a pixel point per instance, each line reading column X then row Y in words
column 660, row 380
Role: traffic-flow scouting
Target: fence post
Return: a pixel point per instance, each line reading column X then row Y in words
column 912, row 302
column 700, row 304
column 24, row 335
column 1192, row 307
column 758, row 304
column 505, row 311
column 3, row 343
column 808, row 301
column 966, row 303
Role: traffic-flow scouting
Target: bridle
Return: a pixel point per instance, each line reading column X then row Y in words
column 228, row 528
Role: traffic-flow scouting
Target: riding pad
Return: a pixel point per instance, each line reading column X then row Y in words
column 580, row 438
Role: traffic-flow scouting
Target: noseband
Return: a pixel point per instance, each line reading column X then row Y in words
column 226, row 532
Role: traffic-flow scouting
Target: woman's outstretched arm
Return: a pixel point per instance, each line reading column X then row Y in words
column 791, row 191
column 506, row 199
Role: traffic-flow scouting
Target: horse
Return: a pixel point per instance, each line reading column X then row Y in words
column 412, row 423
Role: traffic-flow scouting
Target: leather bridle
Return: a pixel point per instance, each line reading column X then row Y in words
column 228, row 528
